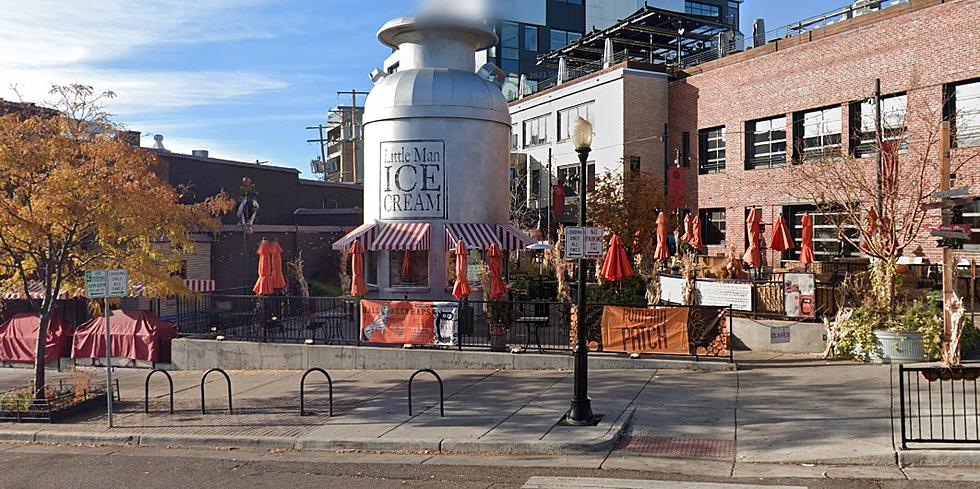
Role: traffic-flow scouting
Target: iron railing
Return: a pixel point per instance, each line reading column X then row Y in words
column 939, row 405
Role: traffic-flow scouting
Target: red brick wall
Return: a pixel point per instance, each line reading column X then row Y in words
column 915, row 48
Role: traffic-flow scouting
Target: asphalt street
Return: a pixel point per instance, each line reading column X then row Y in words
column 37, row 466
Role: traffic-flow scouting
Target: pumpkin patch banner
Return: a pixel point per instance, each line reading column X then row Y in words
column 645, row 330
column 411, row 323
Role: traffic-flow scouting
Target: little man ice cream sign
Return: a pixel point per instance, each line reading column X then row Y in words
column 413, row 180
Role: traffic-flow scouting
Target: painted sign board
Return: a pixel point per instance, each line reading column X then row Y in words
column 779, row 334
column 413, row 180
column 800, row 295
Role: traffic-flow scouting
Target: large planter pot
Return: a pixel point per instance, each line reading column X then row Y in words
column 900, row 347
column 498, row 338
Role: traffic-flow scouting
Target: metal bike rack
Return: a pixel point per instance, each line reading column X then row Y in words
column 204, row 378
column 442, row 405
column 146, row 390
column 302, row 389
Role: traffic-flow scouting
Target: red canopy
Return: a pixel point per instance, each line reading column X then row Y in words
column 753, row 255
column 357, row 285
column 275, row 253
column 781, row 240
column 616, row 266
column 806, row 244
column 662, row 253
column 265, row 284
column 18, row 338
column 136, row 334
column 461, row 289
column 498, row 289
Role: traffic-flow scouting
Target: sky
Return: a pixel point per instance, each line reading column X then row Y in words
column 240, row 78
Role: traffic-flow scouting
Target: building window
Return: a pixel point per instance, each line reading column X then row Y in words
column 560, row 38
column 568, row 177
column 766, row 143
column 515, row 138
column 711, row 150
column 893, row 115
column 827, row 244
column 510, row 56
column 635, row 166
column 702, row 9
column 818, row 133
column 966, row 107
column 567, row 117
column 531, row 38
column 686, row 149
column 713, row 226
column 371, row 264
column 474, row 260
column 536, row 131
column 731, row 16
column 409, row 268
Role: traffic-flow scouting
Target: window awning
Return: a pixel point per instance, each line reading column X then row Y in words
column 513, row 239
column 403, row 236
column 365, row 233
column 474, row 236
column 199, row 286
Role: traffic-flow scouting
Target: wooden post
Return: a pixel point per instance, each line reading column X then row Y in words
column 949, row 261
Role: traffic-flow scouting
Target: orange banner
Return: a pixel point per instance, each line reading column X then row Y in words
column 636, row 330
column 410, row 323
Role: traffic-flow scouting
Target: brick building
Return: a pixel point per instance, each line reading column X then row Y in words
column 747, row 115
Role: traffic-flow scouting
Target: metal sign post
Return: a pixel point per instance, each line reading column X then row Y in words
column 105, row 284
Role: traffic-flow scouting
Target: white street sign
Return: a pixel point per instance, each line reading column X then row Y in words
column 96, row 286
column 594, row 244
column 118, row 283
column 583, row 243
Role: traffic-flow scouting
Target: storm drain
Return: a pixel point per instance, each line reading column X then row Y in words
column 678, row 447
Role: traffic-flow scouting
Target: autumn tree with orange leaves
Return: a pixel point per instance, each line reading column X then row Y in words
column 74, row 197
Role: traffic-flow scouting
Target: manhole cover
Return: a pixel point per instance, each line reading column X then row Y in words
column 678, row 447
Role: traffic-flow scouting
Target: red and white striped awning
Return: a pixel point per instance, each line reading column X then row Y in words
column 37, row 292
column 474, row 236
column 199, row 286
column 513, row 239
column 403, row 236
column 365, row 233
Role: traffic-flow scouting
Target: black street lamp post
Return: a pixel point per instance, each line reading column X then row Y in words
column 580, row 413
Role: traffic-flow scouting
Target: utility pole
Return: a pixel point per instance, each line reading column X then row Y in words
column 949, row 262
column 880, row 143
column 322, row 141
column 355, row 130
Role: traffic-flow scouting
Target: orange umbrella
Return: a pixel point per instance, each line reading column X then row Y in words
column 688, row 230
column 498, row 289
column 753, row 255
column 616, row 266
column 695, row 238
column 781, row 240
column 662, row 253
column 358, row 287
column 264, row 285
column 806, row 244
column 275, row 253
column 461, row 289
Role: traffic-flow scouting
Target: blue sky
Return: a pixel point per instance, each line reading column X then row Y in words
column 241, row 78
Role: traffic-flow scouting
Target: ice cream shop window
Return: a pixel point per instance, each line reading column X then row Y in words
column 474, row 263
column 409, row 268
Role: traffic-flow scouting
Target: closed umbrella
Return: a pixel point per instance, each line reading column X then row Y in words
column 461, row 289
column 687, row 228
column 806, row 244
column 358, row 287
column 264, row 285
column 616, row 266
column 498, row 289
column 753, row 255
column 781, row 240
column 278, row 279
column 695, row 238
column 662, row 253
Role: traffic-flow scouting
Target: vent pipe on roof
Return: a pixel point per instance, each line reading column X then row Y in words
column 522, row 87
column 562, row 70
column 608, row 54
column 200, row 153
column 758, row 33
column 158, row 142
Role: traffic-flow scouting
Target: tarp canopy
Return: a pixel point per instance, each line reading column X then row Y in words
column 136, row 334
column 18, row 338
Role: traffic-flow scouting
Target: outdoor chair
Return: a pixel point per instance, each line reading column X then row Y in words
column 534, row 320
column 332, row 320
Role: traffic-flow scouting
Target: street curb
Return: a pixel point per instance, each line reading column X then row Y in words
column 603, row 443
column 939, row 458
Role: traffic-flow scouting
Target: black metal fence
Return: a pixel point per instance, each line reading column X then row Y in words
column 939, row 405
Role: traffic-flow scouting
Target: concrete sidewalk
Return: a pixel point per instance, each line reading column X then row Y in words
column 772, row 412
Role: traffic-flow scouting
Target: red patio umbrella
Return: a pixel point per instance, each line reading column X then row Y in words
column 461, row 289
column 616, row 266
column 662, row 253
column 278, row 279
column 498, row 289
column 358, row 287
column 264, row 285
column 688, row 231
column 806, row 244
column 753, row 255
column 781, row 240
column 695, row 239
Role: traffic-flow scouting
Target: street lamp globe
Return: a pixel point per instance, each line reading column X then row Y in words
column 582, row 134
